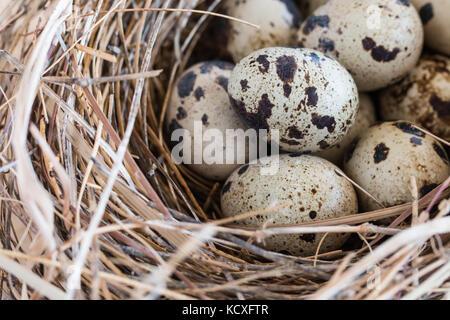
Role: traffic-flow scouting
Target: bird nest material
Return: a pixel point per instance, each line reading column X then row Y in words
column 92, row 206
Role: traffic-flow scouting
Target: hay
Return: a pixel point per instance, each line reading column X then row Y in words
column 92, row 206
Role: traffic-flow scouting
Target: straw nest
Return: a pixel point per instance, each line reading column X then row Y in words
column 92, row 206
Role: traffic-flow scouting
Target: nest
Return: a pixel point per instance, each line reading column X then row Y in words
column 92, row 206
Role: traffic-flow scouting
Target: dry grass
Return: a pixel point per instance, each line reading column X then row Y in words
column 92, row 206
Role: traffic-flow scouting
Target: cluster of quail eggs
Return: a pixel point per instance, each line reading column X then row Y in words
column 343, row 86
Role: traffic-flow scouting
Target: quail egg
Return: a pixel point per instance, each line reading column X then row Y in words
column 278, row 21
column 378, row 41
column 365, row 118
column 385, row 158
column 200, row 98
column 422, row 97
column 304, row 97
column 435, row 18
column 309, row 187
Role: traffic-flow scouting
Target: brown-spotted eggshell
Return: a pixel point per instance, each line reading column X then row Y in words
column 309, row 97
column 366, row 117
column 387, row 156
column 422, row 97
column 435, row 18
column 378, row 41
column 200, row 94
column 278, row 21
column 307, row 185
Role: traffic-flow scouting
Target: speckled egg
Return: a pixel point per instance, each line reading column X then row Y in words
column 422, row 97
column 307, row 96
column 307, row 7
column 307, row 185
column 435, row 18
column 200, row 94
column 278, row 21
column 378, row 41
column 387, row 156
column 365, row 118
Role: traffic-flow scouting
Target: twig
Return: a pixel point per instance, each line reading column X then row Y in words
column 84, row 83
